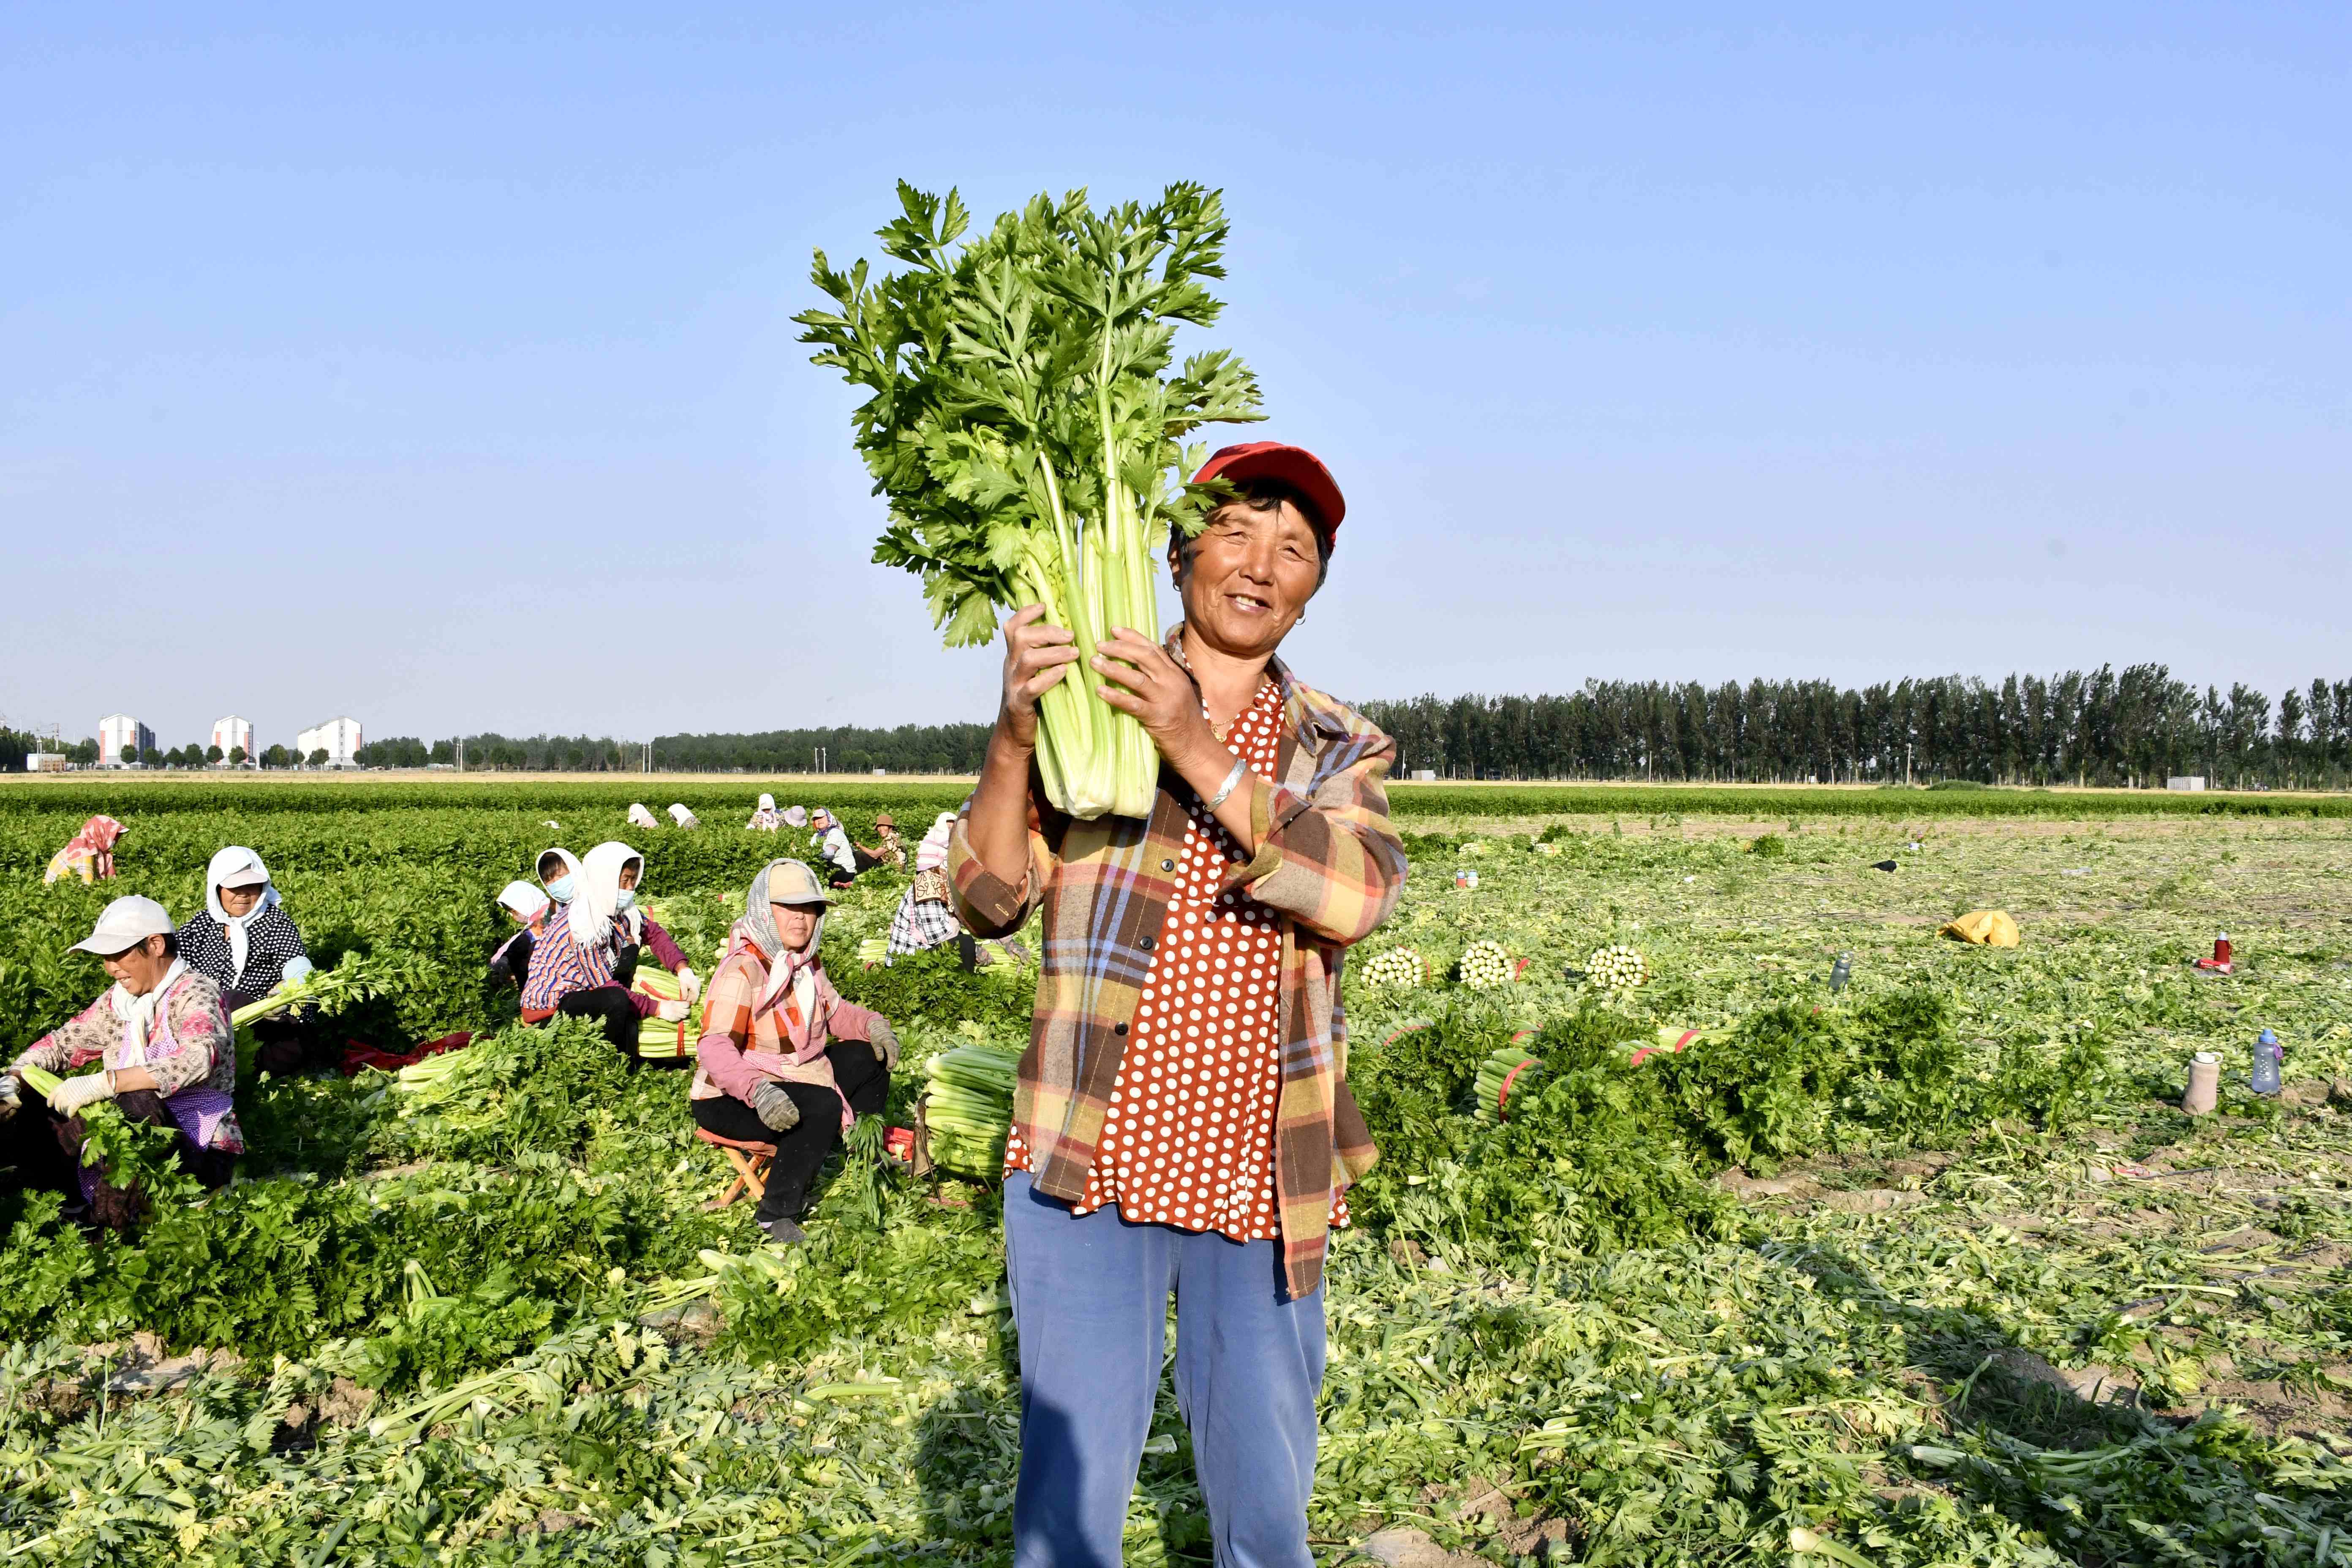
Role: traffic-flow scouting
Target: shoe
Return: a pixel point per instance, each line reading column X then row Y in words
column 783, row 1232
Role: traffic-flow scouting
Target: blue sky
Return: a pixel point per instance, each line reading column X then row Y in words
column 437, row 368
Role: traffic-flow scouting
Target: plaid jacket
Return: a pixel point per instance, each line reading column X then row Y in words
column 1327, row 860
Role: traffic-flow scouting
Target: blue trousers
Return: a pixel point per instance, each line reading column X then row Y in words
column 1090, row 1305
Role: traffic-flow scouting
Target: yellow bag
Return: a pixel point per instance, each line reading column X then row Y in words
column 1986, row 927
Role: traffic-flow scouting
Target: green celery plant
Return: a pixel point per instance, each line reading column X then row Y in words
column 1026, row 433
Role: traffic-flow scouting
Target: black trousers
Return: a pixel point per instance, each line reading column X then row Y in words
column 45, row 1150
column 801, row 1153
column 610, row 1005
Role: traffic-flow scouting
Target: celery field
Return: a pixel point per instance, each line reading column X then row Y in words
column 1928, row 1271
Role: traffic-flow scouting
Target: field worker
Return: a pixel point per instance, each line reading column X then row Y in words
column 165, row 1052
column 641, row 815
column 525, row 907
column 248, row 944
column 892, row 849
column 558, row 873
column 581, row 963
column 796, row 816
column 89, row 854
column 766, row 818
column 925, row 917
column 683, row 818
column 1182, row 1121
column 843, row 859
column 782, row 1059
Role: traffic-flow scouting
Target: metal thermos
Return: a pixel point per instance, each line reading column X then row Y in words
column 1841, row 972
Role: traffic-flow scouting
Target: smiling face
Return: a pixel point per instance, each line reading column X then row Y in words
column 239, row 901
column 142, row 968
column 1247, row 577
column 795, row 923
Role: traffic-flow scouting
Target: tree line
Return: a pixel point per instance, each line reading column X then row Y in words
column 2131, row 729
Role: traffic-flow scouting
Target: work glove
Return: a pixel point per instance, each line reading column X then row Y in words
column 775, row 1108
column 10, row 1097
column 671, row 1012
column 71, row 1097
column 690, row 983
column 885, row 1041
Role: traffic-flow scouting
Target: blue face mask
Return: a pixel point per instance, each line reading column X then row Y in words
column 560, row 889
column 624, row 897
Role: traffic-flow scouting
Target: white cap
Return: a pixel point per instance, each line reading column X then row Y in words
column 124, row 924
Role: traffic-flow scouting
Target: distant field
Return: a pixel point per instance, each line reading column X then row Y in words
column 713, row 797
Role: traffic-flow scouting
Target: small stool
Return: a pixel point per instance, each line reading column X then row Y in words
column 751, row 1163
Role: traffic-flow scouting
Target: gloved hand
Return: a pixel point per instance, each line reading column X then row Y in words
column 70, row 1098
column 671, row 1012
column 774, row 1108
column 885, row 1041
column 11, row 1096
column 690, row 983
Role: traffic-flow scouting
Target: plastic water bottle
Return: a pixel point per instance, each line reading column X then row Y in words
column 2267, row 1059
column 1841, row 972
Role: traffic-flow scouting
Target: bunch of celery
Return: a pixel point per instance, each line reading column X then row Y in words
column 968, row 1109
column 1028, row 436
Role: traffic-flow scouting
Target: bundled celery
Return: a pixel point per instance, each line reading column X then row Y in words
column 1506, row 1073
column 1024, row 429
column 658, row 1037
column 969, row 1109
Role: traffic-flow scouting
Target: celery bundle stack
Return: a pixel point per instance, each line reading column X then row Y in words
column 661, row 1039
column 969, row 1109
column 1503, row 1075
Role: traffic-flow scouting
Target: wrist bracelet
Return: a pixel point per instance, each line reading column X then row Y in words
column 1233, row 782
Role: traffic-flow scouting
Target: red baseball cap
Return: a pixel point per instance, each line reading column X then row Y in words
column 1296, row 466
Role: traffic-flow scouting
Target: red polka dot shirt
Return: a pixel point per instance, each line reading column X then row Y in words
column 1188, row 1139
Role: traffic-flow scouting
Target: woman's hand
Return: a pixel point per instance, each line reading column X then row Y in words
column 1037, row 655
column 1140, row 679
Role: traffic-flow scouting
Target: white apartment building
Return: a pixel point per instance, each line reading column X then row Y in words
column 231, row 732
column 339, row 738
column 118, row 733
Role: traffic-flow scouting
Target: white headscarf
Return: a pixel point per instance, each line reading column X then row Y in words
column 767, row 803
column 640, row 816
column 524, row 899
column 683, row 818
column 237, row 866
column 570, row 869
column 931, row 854
column 598, row 899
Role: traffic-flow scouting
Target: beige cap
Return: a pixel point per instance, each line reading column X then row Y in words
column 123, row 925
column 793, row 883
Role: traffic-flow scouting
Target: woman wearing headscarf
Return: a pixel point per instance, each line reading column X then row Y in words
column 89, row 854
column 527, row 908
column 925, row 917
column 248, row 944
column 767, row 818
column 844, row 860
column 782, row 1059
column 641, row 815
column 582, row 962
column 682, row 816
